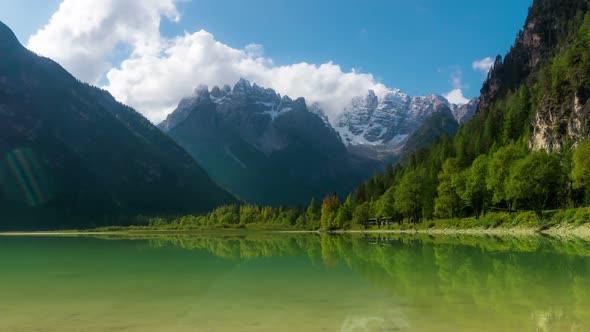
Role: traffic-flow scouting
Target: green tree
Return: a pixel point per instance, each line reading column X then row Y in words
column 408, row 196
column 581, row 170
column 301, row 221
column 248, row 214
column 448, row 202
column 534, row 180
column 472, row 186
column 499, row 168
column 516, row 114
column 361, row 213
column 385, row 206
column 313, row 212
column 344, row 216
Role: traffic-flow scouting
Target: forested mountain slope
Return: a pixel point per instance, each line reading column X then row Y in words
column 72, row 157
column 526, row 148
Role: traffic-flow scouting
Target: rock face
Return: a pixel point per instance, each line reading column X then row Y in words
column 266, row 148
column 72, row 157
column 379, row 126
column 556, row 125
column 547, row 23
column 561, row 116
column 465, row 112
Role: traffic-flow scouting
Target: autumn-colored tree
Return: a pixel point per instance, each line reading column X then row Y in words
column 329, row 212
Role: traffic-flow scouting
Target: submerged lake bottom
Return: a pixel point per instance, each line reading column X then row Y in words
column 294, row 282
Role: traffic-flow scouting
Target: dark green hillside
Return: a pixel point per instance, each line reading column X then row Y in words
column 71, row 156
column 265, row 159
column 439, row 124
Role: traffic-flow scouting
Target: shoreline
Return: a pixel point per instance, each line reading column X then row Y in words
column 558, row 231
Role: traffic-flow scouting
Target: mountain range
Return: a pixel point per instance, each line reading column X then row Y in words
column 72, row 156
column 379, row 126
column 265, row 148
column 270, row 149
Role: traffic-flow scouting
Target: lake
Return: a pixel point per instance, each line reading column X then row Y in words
column 293, row 282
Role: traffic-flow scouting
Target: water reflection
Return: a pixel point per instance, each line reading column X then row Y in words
column 526, row 283
column 295, row 282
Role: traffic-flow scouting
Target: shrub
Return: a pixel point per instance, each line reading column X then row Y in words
column 494, row 220
column 525, row 219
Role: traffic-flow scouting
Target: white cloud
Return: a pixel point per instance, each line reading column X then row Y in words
column 82, row 33
column 457, row 77
column 160, row 71
column 484, row 65
column 456, row 97
column 154, row 83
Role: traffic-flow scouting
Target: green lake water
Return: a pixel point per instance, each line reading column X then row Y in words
column 293, row 282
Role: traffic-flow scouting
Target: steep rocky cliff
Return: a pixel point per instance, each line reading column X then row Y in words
column 549, row 60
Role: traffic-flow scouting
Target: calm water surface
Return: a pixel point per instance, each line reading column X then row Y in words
column 263, row 282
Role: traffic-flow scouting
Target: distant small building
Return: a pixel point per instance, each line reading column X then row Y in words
column 384, row 221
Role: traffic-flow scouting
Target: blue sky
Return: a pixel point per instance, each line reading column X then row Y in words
column 411, row 45
column 416, row 46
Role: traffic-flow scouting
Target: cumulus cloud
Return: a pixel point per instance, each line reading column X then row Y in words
column 82, row 33
column 484, row 65
column 455, row 96
column 159, row 71
column 154, row 83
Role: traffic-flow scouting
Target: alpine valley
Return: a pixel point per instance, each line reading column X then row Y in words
column 71, row 156
column 75, row 157
column 274, row 150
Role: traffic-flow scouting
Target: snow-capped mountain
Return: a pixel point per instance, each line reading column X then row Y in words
column 388, row 119
column 266, row 148
column 464, row 112
column 264, row 103
column 271, row 149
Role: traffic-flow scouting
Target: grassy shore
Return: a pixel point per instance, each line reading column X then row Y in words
column 571, row 222
column 560, row 223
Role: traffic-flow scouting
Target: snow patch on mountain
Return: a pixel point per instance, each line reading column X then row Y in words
column 388, row 118
column 464, row 112
column 383, row 120
column 262, row 101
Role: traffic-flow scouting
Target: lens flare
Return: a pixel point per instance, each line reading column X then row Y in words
column 27, row 176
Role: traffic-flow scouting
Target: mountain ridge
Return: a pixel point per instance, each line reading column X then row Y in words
column 75, row 157
column 267, row 148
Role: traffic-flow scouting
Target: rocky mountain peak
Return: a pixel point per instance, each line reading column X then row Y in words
column 547, row 25
column 242, row 86
column 202, row 93
column 257, row 143
column 386, row 119
column 244, row 97
column 462, row 113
